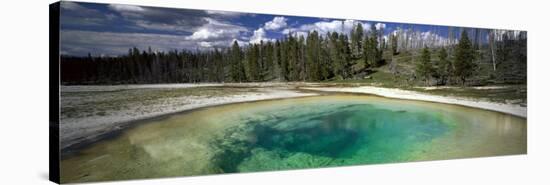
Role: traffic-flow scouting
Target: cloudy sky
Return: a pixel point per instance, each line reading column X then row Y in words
column 111, row 29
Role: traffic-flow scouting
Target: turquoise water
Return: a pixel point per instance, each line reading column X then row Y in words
column 334, row 136
column 323, row 131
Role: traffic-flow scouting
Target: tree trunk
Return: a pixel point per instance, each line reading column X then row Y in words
column 493, row 58
column 492, row 47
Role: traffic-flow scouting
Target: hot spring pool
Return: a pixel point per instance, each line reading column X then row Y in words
column 321, row 131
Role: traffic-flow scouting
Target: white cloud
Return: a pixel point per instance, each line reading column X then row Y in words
column 301, row 34
column 205, row 44
column 259, row 35
column 324, row 27
column 67, row 5
column 205, row 33
column 215, row 30
column 433, row 39
column 224, row 13
column 380, row 26
column 126, row 8
column 419, row 39
column 76, row 14
column 74, row 42
column 276, row 24
column 181, row 21
column 160, row 26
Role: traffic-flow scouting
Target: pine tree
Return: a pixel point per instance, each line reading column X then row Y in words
column 463, row 63
column 424, row 66
column 301, row 68
column 252, row 58
column 325, row 66
column 269, row 60
column 312, row 56
column 284, row 58
column 237, row 68
column 367, row 52
column 345, row 56
column 376, row 53
column 293, row 57
column 443, row 67
column 280, row 70
column 393, row 44
column 335, row 56
column 373, row 55
column 357, row 40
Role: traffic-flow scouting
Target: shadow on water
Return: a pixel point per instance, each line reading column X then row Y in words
column 326, row 139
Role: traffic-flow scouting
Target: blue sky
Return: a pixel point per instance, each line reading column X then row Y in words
column 111, row 29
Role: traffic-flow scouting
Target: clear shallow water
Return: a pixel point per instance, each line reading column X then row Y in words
column 336, row 130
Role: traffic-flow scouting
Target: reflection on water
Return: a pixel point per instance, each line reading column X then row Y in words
column 298, row 133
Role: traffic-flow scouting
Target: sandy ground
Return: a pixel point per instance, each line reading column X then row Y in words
column 412, row 95
column 88, row 125
column 455, row 87
column 103, row 88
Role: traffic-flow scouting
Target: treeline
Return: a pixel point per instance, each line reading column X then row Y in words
column 294, row 58
column 508, row 57
column 312, row 57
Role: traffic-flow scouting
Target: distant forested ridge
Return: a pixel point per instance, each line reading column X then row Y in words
column 463, row 58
